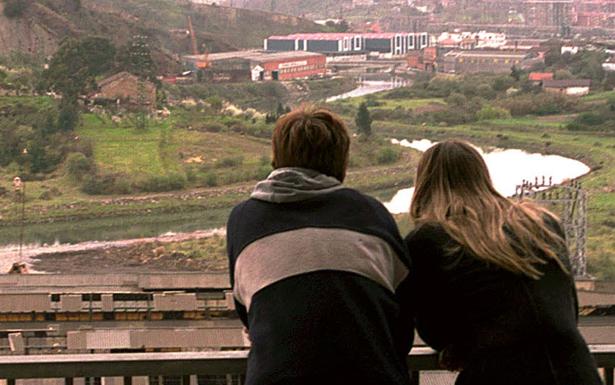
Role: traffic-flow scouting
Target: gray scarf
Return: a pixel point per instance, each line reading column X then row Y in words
column 294, row 184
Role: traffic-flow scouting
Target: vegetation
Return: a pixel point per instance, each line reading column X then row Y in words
column 363, row 121
column 15, row 8
column 579, row 128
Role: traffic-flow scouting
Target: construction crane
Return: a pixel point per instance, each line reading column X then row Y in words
column 204, row 61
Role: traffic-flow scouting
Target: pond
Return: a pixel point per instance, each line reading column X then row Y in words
column 508, row 168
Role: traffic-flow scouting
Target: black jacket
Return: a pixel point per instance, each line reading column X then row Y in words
column 319, row 283
column 500, row 328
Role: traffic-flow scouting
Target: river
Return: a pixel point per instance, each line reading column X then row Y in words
column 367, row 86
column 508, row 168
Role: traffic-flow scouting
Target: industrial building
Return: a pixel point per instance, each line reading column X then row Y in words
column 466, row 62
column 43, row 314
column 387, row 44
column 258, row 65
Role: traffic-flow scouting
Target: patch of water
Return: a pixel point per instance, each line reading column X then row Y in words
column 508, row 168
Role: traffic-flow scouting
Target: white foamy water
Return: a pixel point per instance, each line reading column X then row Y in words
column 508, row 167
column 367, row 87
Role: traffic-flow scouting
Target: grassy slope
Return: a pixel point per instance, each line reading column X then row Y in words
column 394, row 103
column 164, row 148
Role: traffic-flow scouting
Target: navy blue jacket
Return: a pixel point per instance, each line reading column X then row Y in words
column 319, row 284
column 498, row 327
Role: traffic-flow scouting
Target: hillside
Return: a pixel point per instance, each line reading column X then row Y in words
column 308, row 8
column 45, row 23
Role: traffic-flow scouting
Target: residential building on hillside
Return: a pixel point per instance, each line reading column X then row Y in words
column 570, row 87
column 125, row 89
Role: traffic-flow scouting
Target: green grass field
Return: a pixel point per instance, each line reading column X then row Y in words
column 394, row 103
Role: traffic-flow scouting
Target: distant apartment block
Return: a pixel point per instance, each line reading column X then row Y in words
column 387, row 44
column 548, row 12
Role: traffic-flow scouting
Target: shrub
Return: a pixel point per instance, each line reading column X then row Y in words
column 106, row 184
column 489, row 112
column 78, row 166
column 161, row 183
column 68, row 117
column 214, row 127
column 588, row 121
column 215, row 102
column 387, row 155
column 502, row 83
column 211, row 179
column 400, row 93
column 230, row 162
column 539, row 104
column 15, row 8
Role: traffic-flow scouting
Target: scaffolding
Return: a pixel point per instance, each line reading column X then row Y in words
column 569, row 200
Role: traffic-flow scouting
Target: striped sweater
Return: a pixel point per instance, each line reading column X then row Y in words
column 319, row 276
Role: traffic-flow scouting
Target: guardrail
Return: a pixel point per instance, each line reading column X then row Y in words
column 128, row 365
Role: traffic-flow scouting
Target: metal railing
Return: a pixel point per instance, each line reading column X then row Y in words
column 183, row 365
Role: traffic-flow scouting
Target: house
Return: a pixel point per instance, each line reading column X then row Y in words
column 424, row 60
column 125, row 88
column 539, row 77
column 571, row 87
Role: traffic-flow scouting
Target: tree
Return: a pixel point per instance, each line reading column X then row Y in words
column 72, row 69
column 563, row 75
column 15, row 8
column 515, row 73
column 363, row 120
column 136, row 58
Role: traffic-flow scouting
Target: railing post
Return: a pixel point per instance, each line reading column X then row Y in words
column 68, row 381
column 608, row 376
column 415, row 377
column 128, row 380
column 186, row 380
column 10, row 381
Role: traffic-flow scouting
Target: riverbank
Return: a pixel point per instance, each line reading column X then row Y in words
column 203, row 251
column 597, row 150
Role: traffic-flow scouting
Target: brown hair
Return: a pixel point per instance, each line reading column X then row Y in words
column 454, row 189
column 314, row 138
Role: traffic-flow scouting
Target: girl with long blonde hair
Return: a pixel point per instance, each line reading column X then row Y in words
column 493, row 289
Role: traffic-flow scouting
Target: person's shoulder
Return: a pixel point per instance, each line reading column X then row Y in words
column 239, row 210
column 360, row 198
column 427, row 232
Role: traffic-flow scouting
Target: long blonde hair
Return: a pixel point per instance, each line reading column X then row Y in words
column 453, row 188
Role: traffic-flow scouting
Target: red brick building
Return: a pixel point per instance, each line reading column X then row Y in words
column 259, row 65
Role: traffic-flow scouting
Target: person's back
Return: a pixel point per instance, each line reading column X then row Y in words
column 497, row 296
column 317, row 268
column 497, row 326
